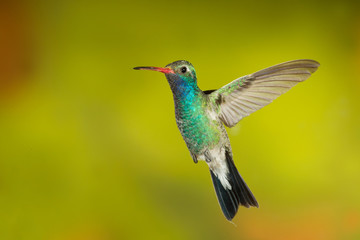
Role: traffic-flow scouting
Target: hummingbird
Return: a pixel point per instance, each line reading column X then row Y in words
column 201, row 116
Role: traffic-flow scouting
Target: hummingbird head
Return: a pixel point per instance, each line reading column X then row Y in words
column 178, row 73
column 183, row 72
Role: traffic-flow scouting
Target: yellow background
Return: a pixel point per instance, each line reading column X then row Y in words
column 89, row 148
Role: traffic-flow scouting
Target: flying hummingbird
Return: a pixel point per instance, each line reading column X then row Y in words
column 201, row 116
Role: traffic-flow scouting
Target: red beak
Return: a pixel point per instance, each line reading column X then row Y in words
column 158, row 69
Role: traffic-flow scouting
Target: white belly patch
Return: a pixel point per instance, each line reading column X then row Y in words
column 218, row 165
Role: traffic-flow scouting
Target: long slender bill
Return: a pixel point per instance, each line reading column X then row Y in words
column 158, row 69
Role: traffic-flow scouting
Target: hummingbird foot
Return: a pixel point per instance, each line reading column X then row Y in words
column 194, row 157
column 208, row 157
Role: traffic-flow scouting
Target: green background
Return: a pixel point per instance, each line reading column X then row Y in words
column 89, row 148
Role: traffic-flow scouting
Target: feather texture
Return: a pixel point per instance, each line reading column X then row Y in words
column 239, row 193
column 247, row 94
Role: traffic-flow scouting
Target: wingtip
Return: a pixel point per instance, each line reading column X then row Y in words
column 309, row 61
column 314, row 62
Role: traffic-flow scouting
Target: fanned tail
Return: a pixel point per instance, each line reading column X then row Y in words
column 239, row 194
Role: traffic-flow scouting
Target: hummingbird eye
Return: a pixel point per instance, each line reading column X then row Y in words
column 183, row 69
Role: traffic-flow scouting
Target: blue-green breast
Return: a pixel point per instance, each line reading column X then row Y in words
column 198, row 129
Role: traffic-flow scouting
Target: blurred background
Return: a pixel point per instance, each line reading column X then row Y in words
column 89, row 148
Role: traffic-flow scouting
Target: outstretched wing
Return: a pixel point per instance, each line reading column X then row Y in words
column 247, row 94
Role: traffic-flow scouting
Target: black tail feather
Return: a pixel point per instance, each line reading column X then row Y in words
column 239, row 194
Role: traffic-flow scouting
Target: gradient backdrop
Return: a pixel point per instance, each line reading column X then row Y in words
column 89, row 148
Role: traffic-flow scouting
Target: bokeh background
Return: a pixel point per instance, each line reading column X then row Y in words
column 89, row 148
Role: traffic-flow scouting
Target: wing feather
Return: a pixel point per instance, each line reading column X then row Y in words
column 248, row 94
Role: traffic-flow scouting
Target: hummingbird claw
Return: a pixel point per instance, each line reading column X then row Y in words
column 208, row 157
column 194, row 157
